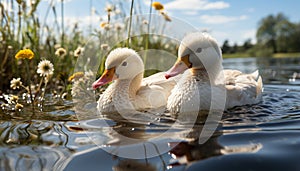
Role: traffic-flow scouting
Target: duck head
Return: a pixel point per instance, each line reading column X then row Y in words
column 121, row 64
column 197, row 51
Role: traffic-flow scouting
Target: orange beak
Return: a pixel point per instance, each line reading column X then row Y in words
column 107, row 77
column 179, row 67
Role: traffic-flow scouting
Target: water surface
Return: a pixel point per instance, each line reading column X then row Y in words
column 265, row 136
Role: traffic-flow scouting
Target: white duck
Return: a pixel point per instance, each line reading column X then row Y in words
column 205, row 85
column 130, row 92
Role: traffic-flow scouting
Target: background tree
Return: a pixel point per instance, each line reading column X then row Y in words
column 267, row 32
column 234, row 48
column 247, row 45
column 294, row 39
column 284, row 30
column 226, row 47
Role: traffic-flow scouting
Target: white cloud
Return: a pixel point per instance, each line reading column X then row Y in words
column 196, row 5
column 249, row 34
column 251, row 10
column 220, row 36
column 238, row 37
column 221, row 19
column 190, row 12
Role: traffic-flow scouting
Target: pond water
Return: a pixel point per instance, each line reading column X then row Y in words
column 265, row 136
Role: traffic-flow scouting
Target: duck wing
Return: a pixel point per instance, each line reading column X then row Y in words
column 154, row 91
column 242, row 88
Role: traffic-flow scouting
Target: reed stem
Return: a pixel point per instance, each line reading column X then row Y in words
column 29, row 85
column 62, row 24
column 148, row 32
column 130, row 22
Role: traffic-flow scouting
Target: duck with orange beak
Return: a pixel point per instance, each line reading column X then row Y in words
column 129, row 91
column 204, row 84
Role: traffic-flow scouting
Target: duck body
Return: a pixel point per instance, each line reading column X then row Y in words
column 194, row 92
column 129, row 91
column 120, row 97
column 204, row 84
column 242, row 89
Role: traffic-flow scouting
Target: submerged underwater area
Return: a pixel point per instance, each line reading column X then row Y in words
column 264, row 136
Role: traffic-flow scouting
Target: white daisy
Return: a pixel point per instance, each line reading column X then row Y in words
column 78, row 51
column 61, row 52
column 118, row 26
column 145, row 22
column 15, row 83
column 109, row 8
column 45, row 68
column 104, row 46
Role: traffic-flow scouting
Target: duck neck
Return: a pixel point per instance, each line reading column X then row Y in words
column 135, row 85
column 130, row 86
column 206, row 75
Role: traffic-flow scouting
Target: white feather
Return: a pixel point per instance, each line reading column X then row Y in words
column 197, row 85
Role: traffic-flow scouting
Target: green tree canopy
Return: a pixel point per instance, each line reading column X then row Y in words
column 225, row 47
column 276, row 32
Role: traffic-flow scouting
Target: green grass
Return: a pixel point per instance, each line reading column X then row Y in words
column 275, row 55
column 21, row 30
column 236, row 55
column 286, row 55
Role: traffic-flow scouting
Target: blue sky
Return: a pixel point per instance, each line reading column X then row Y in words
column 235, row 20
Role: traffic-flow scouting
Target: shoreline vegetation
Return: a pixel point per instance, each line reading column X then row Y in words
column 275, row 55
column 276, row 36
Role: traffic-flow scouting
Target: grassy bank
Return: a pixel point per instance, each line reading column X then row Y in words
column 275, row 55
column 236, row 55
column 286, row 55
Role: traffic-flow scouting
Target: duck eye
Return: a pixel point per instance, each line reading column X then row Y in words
column 124, row 63
column 199, row 50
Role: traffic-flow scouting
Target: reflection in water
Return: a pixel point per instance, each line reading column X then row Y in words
column 34, row 144
column 249, row 148
column 186, row 152
column 133, row 165
column 273, row 71
column 33, row 158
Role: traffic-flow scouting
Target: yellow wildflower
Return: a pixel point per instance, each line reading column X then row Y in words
column 76, row 76
column 19, row 2
column 4, row 105
column 23, row 54
column 103, row 24
column 14, row 98
column 157, row 5
column 18, row 106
